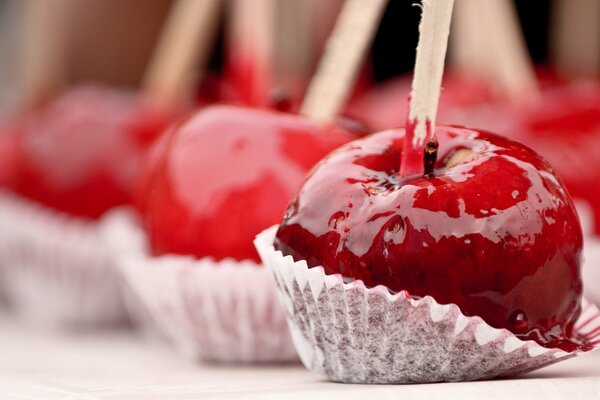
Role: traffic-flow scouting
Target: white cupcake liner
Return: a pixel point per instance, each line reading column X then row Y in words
column 591, row 269
column 353, row 334
column 224, row 311
column 116, row 236
column 586, row 217
column 54, row 269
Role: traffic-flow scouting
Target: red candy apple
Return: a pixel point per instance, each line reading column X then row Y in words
column 492, row 229
column 225, row 175
column 565, row 129
column 8, row 151
column 81, row 153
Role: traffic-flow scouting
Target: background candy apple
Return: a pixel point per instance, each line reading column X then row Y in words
column 493, row 230
column 82, row 152
column 8, row 150
column 563, row 126
column 565, row 129
column 226, row 174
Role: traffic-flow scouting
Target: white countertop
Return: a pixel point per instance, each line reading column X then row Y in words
column 37, row 364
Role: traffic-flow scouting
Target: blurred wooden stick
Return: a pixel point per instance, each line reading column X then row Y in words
column 45, row 70
column 467, row 43
column 294, row 49
column 575, row 36
column 185, row 43
column 344, row 54
column 251, row 48
column 498, row 50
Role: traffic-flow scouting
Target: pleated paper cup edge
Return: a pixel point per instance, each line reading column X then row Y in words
column 76, row 226
column 281, row 266
column 136, row 262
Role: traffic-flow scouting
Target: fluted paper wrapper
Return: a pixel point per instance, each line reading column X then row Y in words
column 354, row 334
column 54, row 269
column 224, row 311
column 119, row 241
column 591, row 269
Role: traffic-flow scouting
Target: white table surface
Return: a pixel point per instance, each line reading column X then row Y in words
column 38, row 364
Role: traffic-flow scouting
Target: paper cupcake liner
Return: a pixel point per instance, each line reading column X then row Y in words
column 54, row 269
column 591, row 269
column 224, row 311
column 116, row 238
column 354, row 334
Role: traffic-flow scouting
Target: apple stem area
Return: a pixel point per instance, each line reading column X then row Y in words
column 430, row 156
column 420, row 146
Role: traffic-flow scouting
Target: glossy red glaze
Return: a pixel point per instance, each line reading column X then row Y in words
column 497, row 234
column 247, row 80
column 226, row 174
column 565, row 129
column 82, row 153
column 8, row 151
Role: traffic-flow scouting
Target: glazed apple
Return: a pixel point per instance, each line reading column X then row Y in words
column 8, row 150
column 226, row 174
column 490, row 228
column 81, row 153
column 565, row 129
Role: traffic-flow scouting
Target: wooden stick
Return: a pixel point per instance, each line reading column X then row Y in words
column 575, row 37
column 324, row 14
column 344, row 53
column 511, row 66
column 45, row 69
column 487, row 41
column 429, row 68
column 468, row 47
column 251, row 49
column 294, row 43
column 185, row 43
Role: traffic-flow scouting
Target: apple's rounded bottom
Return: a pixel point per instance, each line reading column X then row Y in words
column 354, row 334
column 54, row 268
column 224, row 311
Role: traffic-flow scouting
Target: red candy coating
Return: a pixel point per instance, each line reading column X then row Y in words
column 8, row 151
column 82, row 153
column 226, row 174
column 495, row 233
column 566, row 131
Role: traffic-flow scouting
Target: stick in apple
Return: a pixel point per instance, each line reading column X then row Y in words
column 251, row 49
column 468, row 52
column 184, row 44
column 45, row 69
column 294, row 45
column 575, row 37
column 499, row 51
column 511, row 64
column 344, row 53
column 429, row 68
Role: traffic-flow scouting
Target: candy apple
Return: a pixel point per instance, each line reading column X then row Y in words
column 226, row 174
column 565, row 129
column 81, row 153
column 8, row 151
column 490, row 228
